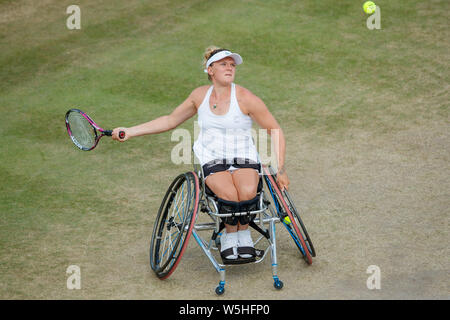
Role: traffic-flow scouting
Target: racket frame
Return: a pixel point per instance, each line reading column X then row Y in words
column 95, row 126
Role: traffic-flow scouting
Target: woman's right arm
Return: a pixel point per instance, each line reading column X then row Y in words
column 181, row 113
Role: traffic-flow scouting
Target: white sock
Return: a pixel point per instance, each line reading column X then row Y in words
column 245, row 240
column 229, row 240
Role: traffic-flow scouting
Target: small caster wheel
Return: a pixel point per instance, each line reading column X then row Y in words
column 278, row 284
column 220, row 290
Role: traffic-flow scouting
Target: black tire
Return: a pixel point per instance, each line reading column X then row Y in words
column 174, row 223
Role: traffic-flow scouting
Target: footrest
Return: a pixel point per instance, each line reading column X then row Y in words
column 239, row 260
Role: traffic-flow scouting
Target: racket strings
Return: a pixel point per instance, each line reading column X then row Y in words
column 82, row 132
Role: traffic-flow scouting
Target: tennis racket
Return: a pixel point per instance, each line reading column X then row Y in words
column 83, row 131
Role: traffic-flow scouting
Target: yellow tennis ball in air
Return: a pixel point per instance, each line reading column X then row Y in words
column 287, row 220
column 369, row 7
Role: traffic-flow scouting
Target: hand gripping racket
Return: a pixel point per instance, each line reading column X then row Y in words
column 83, row 131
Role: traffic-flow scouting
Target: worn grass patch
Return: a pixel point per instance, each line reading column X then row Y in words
column 338, row 90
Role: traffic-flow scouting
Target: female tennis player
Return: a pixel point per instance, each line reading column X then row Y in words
column 224, row 146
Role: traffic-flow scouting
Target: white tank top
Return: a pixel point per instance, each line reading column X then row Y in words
column 225, row 136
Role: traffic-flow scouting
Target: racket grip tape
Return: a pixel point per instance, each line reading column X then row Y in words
column 109, row 133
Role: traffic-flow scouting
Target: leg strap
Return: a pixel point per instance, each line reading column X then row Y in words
column 226, row 206
column 226, row 253
column 248, row 206
column 246, row 250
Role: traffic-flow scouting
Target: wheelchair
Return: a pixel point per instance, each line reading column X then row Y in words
column 188, row 197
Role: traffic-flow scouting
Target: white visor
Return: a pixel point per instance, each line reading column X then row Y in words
column 221, row 55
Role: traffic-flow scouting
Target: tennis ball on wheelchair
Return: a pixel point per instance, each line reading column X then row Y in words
column 369, row 7
column 287, row 220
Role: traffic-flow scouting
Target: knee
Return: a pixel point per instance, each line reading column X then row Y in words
column 247, row 192
column 222, row 186
column 229, row 194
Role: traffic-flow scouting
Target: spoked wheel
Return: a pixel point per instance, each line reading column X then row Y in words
column 174, row 223
column 289, row 216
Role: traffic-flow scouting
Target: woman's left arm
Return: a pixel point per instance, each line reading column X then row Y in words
column 259, row 112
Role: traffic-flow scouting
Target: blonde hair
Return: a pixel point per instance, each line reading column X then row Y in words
column 208, row 53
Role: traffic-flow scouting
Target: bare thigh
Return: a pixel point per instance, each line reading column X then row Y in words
column 240, row 185
column 222, row 184
column 246, row 183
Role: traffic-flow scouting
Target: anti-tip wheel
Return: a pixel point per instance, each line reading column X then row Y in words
column 278, row 284
column 220, row 290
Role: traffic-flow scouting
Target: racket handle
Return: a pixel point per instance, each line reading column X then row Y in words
column 109, row 133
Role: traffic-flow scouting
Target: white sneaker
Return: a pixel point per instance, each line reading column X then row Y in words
column 227, row 241
column 245, row 240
